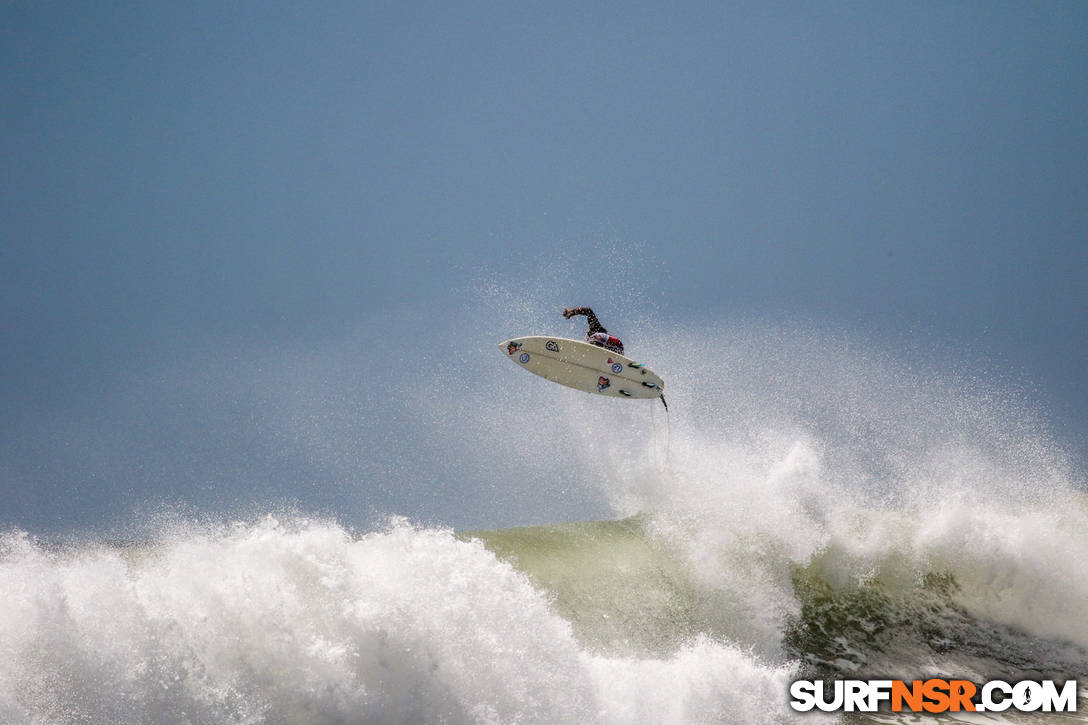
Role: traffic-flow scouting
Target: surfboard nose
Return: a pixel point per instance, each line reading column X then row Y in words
column 509, row 347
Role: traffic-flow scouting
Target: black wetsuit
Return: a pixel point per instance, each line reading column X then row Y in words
column 597, row 334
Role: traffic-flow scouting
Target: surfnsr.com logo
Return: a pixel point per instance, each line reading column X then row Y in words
column 933, row 696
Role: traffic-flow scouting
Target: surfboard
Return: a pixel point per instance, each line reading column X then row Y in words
column 585, row 367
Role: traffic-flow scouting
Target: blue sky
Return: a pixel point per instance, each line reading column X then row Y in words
column 229, row 177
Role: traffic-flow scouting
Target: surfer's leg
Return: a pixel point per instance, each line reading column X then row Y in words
column 594, row 324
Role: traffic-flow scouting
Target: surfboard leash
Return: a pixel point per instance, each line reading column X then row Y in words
column 668, row 434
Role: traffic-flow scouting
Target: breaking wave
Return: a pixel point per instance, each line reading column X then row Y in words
column 811, row 508
column 299, row 622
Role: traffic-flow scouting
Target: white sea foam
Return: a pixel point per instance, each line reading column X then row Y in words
column 298, row 622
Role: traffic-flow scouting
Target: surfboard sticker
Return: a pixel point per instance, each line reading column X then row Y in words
column 584, row 367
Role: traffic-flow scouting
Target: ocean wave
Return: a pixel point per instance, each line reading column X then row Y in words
column 301, row 622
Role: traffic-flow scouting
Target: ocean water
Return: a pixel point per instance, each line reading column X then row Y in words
column 810, row 507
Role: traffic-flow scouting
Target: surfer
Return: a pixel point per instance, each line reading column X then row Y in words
column 596, row 335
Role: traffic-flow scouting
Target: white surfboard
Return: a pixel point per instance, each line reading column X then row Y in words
column 582, row 366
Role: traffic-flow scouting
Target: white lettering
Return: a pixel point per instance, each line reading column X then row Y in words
column 1064, row 701
column 1027, row 696
column 836, row 702
column 988, row 703
column 804, row 695
column 854, row 696
column 878, row 690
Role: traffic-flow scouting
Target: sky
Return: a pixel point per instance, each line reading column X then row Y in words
column 212, row 197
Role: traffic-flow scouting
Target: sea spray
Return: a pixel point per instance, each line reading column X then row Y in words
column 792, row 446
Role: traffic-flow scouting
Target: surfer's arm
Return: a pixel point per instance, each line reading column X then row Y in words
column 594, row 324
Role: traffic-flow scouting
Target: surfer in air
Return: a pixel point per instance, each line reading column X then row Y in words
column 596, row 335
